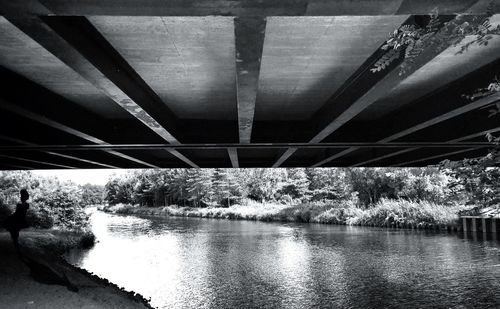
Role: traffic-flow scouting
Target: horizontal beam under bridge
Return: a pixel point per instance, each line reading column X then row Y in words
column 242, row 146
column 250, row 7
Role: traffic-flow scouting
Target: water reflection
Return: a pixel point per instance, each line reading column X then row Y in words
column 202, row 263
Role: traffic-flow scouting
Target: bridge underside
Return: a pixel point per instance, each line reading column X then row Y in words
column 236, row 83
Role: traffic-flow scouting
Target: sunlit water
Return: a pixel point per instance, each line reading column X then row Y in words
column 210, row 263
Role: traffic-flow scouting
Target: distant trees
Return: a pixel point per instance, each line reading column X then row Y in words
column 92, row 194
column 52, row 202
column 226, row 187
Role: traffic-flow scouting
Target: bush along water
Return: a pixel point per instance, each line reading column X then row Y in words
column 56, row 207
column 386, row 213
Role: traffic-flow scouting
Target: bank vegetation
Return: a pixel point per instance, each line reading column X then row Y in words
column 405, row 197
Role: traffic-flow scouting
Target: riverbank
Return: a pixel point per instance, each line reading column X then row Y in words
column 41, row 278
column 386, row 213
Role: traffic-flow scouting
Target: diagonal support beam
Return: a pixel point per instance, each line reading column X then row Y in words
column 59, row 126
column 447, row 154
column 429, row 110
column 233, row 155
column 454, row 113
column 16, row 166
column 120, row 81
column 95, row 60
column 441, row 155
column 359, row 92
column 23, row 142
column 38, row 162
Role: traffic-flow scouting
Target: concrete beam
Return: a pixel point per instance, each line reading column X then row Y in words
column 52, row 165
column 11, row 166
column 230, row 147
column 360, row 91
column 249, row 35
column 62, row 127
column 429, row 110
column 108, row 72
column 233, row 155
column 447, row 154
column 257, row 8
column 23, row 142
column 454, row 113
column 120, row 81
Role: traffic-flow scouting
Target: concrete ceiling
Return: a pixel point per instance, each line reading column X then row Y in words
column 234, row 83
column 187, row 61
column 306, row 59
column 446, row 67
column 21, row 54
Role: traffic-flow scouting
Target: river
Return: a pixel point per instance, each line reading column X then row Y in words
column 210, row 263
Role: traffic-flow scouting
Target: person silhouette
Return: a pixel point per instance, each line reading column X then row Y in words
column 17, row 220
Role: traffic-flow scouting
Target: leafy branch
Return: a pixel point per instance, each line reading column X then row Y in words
column 493, row 87
column 409, row 41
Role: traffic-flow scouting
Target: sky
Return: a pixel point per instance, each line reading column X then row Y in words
column 82, row 176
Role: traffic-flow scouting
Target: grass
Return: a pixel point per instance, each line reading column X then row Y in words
column 400, row 213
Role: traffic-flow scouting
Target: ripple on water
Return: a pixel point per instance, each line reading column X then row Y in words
column 200, row 263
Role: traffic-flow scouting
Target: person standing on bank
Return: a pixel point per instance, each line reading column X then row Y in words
column 17, row 220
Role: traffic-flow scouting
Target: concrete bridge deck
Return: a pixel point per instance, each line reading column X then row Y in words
column 236, row 83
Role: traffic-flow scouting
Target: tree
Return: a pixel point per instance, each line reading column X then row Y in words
column 92, row 194
column 226, row 186
column 296, row 184
column 327, row 184
column 199, row 186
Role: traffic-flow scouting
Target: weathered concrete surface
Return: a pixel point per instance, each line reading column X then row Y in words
column 21, row 54
column 187, row 61
column 443, row 69
column 306, row 59
column 249, row 40
column 288, row 77
column 264, row 8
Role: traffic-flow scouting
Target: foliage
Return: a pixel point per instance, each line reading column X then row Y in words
column 328, row 184
column 92, row 194
column 493, row 87
column 373, row 184
column 386, row 212
column 226, row 187
column 407, row 213
column 480, row 185
column 411, row 40
column 52, row 203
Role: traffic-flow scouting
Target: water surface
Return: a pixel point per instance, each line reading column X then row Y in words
column 210, row 263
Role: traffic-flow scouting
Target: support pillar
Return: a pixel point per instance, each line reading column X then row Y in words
column 493, row 225
column 484, row 228
column 474, row 226
column 464, row 223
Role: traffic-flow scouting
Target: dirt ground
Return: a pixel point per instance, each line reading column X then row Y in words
column 18, row 289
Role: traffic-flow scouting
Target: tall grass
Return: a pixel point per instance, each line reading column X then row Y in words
column 401, row 213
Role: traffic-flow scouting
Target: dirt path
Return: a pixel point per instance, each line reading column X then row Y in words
column 18, row 289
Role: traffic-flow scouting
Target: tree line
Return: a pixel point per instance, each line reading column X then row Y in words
column 52, row 202
column 225, row 187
